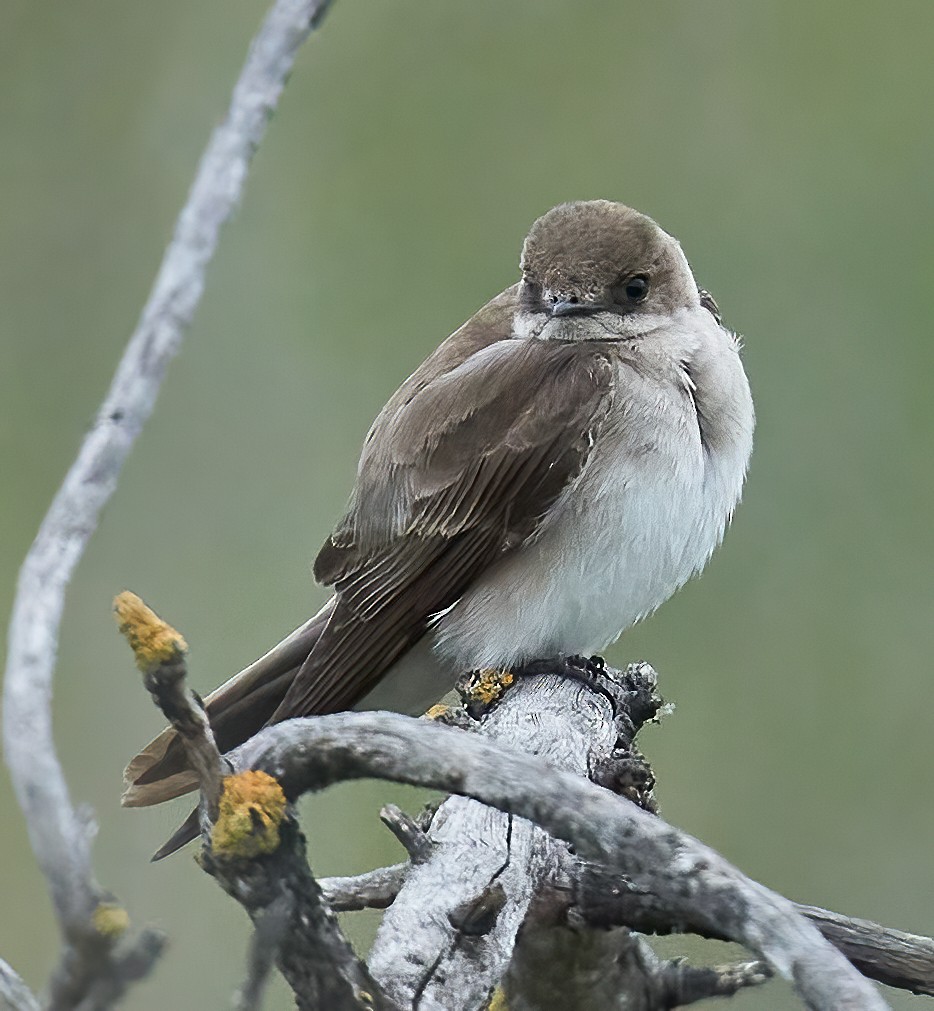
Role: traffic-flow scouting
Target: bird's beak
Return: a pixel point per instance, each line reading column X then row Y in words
column 567, row 308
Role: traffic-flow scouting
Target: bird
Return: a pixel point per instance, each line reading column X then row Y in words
column 551, row 474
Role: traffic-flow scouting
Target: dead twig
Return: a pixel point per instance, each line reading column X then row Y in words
column 253, row 846
column 57, row 832
column 695, row 881
column 407, row 831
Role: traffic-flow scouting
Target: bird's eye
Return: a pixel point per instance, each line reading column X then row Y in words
column 637, row 288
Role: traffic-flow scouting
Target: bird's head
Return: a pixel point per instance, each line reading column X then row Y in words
column 599, row 270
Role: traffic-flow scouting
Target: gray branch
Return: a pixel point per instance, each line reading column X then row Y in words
column 616, row 971
column 450, row 936
column 375, row 889
column 253, row 846
column 407, row 831
column 161, row 655
column 14, row 994
column 265, row 946
column 295, row 928
column 894, row 957
column 889, row 956
column 57, row 833
column 696, row 882
column 674, row 983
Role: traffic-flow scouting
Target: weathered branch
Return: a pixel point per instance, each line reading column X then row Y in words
column 695, row 881
column 450, row 936
column 252, row 843
column 375, row 889
column 270, row 877
column 160, row 654
column 898, row 959
column 613, row 969
column 303, row 936
column 405, row 829
column 57, row 832
column 674, row 983
column 14, row 994
column 889, row 956
column 265, row 946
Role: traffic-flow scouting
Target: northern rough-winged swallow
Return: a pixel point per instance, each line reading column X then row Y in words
column 551, row 474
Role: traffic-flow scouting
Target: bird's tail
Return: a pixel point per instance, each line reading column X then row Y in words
column 237, row 710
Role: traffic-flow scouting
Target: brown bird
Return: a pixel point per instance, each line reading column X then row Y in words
column 551, row 474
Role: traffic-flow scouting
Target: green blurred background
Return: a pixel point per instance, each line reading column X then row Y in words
column 788, row 145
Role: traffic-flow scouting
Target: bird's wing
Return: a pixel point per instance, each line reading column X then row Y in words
column 457, row 470
column 240, row 706
column 237, row 709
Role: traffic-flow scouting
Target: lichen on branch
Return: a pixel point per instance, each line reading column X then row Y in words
column 154, row 642
column 251, row 810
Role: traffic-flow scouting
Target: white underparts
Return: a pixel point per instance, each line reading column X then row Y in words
column 648, row 510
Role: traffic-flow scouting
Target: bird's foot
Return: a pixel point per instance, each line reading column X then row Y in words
column 591, row 671
column 593, row 665
column 631, row 692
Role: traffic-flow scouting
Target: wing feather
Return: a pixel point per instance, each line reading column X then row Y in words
column 453, row 475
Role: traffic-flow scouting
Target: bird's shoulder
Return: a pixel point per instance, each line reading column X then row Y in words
column 489, row 429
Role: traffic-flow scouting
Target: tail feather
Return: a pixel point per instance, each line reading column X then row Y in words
column 237, row 710
column 188, row 830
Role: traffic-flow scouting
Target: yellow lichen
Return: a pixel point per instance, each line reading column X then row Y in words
column 488, row 685
column 109, row 919
column 152, row 640
column 498, row 1001
column 252, row 807
column 436, row 712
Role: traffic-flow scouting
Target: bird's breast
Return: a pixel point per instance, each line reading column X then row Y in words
column 647, row 511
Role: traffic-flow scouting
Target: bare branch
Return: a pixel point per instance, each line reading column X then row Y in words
column 265, row 946
column 56, row 831
column 406, row 830
column 890, row 956
column 893, row 957
column 160, row 654
column 450, row 936
column 14, row 994
column 375, row 889
column 94, row 973
column 302, row 936
column 695, row 881
column 252, row 844
column 613, row 969
column 678, row 984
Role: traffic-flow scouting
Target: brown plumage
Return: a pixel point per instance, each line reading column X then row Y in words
column 426, row 517
column 470, row 462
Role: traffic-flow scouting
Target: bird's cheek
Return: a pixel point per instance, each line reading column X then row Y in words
column 529, row 325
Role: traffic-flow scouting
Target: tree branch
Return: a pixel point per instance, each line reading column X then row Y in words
column 57, row 832
column 889, row 956
column 253, row 846
column 160, row 654
column 375, row 889
column 695, row 882
column 614, row 970
column 265, row 946
column 13, row 991
column 295, row 926
column 898, row 959
column 406, row 830
column 450, row 936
